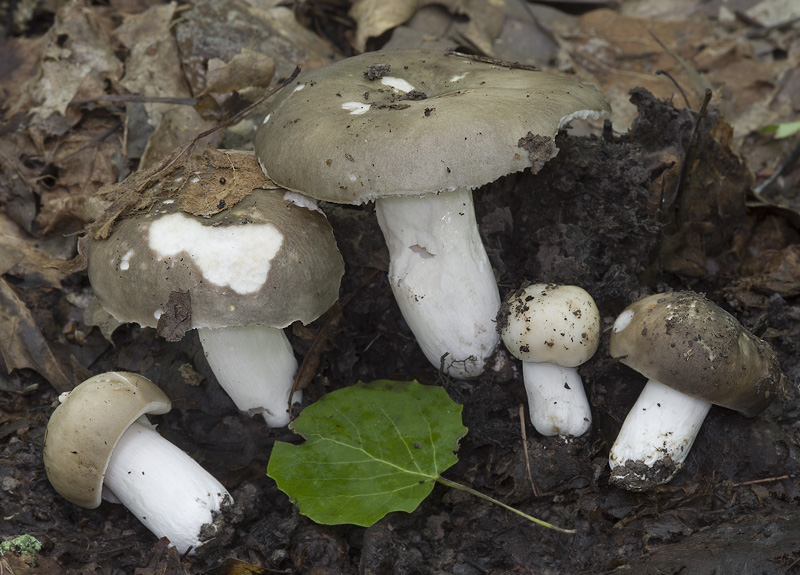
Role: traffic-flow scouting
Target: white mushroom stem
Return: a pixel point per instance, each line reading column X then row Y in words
column 255, row 365
column 164, row 488
column 556, row 399
column 441, row 277
column 663, row 423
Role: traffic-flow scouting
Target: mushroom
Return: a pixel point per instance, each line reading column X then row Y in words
column 694, row 354
column 553, row 329
column 416, row 131
column 239, row 277
column 100, row 445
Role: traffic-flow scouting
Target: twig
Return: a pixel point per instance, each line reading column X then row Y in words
column 480, row 495
column 311, row 358
column 525, row 449
column 762, row 30
column 492, row 61
column 678, row 86
column 138, row 98
column 776, row 174
column 692, row 143
column 188, row 147
column 765, row 480
column 699, row 82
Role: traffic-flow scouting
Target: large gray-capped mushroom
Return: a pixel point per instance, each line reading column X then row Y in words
column 99, row 445
column 694, row 354
column 553, row 329
column 238, row 276
column 416, row 131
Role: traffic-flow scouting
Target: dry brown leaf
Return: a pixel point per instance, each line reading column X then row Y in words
column 153, row 68
column 28, row 262
column 75, row 61
column 22, row 345
column 86, row 158
column 219, row 179
column 16, row 177
column 94, row 315
column 374, row 17
column 621, row 52
column 22, row 58
column 178, row 126
column 779, row 274
column 222, row 29
column 246, row 69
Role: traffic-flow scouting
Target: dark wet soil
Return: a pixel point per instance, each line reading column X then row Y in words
column 622, row 216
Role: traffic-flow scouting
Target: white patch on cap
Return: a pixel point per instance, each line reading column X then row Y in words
column 125, row 261
column 301, row 201
column 266, row 118
column 623, row 320
column 158, row 313
column 235, row 256
column 458, row 77
column 397, row 83
column 300, row 87
column 355, row 107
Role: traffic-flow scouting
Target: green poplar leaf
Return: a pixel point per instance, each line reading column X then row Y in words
column 370, row 449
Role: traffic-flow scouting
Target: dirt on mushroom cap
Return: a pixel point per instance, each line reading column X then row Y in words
column 413, row 122
column 685, row 341
column 237, row 171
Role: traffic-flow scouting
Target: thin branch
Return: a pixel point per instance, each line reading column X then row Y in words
column 777, row 173
column 525, row 449
column 188, row 147
column 480, row 495
column 492, row 61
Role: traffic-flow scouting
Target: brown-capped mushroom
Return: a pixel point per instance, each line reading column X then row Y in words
column 694, row 354
column 416, row 131
column 99, row 445
column 239, row 277
column 553, row 329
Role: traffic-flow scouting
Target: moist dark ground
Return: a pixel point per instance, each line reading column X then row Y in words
column 664, row 207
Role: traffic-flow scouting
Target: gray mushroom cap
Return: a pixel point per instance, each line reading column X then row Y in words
column 690, row 344
column 85, row 428
column 409, row 122
column 269, row 260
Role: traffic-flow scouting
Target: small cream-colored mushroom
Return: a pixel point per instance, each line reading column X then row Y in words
column 99, row 445
column 553, row 329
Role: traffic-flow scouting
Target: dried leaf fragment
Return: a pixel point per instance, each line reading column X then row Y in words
column 22, row 344
column 238, row 172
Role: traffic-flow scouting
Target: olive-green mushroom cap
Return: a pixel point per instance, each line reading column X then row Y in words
column 84, row 430
column 413, row 122
column 690, row 344
column 271, row 259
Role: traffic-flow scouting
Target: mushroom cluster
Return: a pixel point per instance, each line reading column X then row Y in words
column 416, row 131
column 100, row 445
column 694, row 354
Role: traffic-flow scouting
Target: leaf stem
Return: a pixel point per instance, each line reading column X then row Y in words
column 460, row 487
